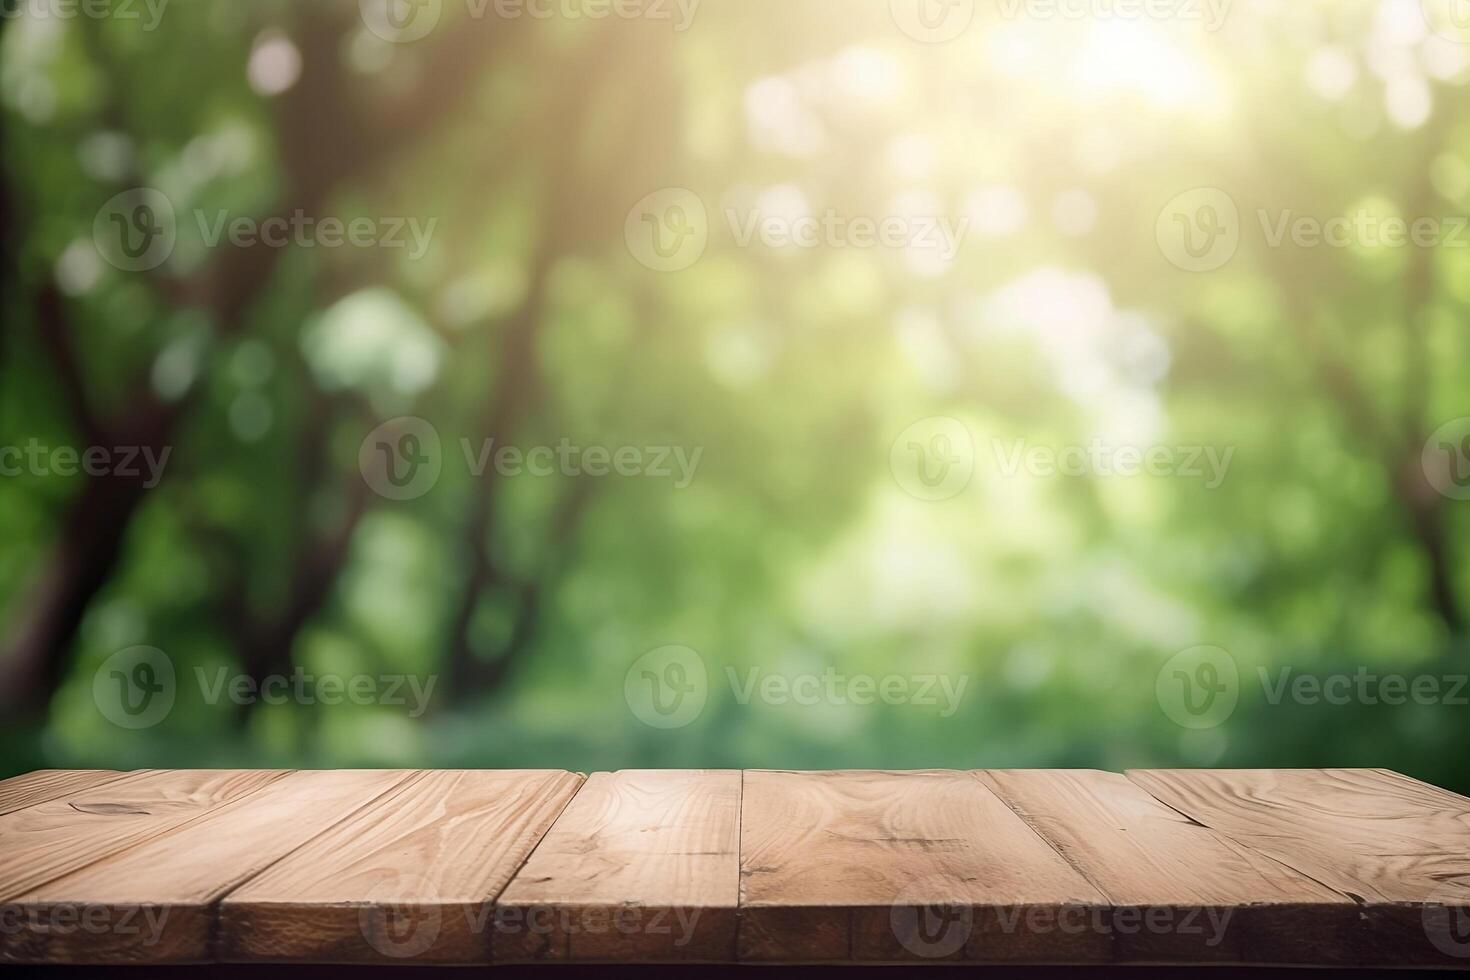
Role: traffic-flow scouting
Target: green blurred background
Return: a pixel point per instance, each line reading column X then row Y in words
column 802, row 376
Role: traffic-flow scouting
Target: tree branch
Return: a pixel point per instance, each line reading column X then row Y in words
column 323, row 144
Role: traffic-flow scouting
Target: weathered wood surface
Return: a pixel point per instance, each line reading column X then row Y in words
column 48, row 784
column 1398, row 847
column 156, row 900
column 1312, row 867
column 411, row 875
column 878, row 866
column 1180, row 893
column 44, row 842
column 641, row 866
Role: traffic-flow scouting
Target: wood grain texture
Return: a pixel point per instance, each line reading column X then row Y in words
column 642, row 867
column 154, row 903
column 48, row 840
column 408, row 878
column 882, row 866
column 1181, row 893
column 1303, row 867
column 50, row 784
column 1399, row 848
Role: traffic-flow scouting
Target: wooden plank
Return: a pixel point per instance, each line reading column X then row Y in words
column 49, row 784
column 641, row 867
column 1181, row 893
column 1420, row 788
column 410, row 876
column 1398, row 847
column 882, row 866
column 44, row 842
column 154, row 903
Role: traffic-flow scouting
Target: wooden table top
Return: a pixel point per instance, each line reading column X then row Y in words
column 1336, row 867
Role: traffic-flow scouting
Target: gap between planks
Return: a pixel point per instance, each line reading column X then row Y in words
column 1135, row 779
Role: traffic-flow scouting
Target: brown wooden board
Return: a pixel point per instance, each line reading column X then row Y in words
column 48, row 840
column 407, row 878
column 154, row 902
column 642, row 866
column 1224, row 868
column 49, row 784
column 882, row 866
column 1181, row 893
column 1398, row 847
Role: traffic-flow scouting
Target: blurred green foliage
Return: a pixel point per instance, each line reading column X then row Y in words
column 795, row 548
